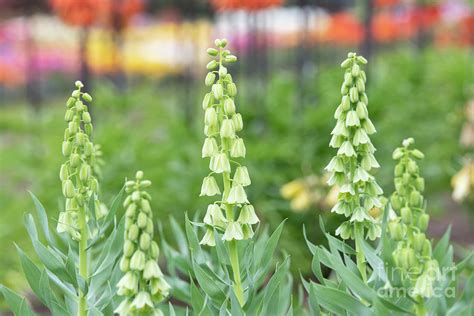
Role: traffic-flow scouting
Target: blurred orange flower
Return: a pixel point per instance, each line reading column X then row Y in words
column 250, row 5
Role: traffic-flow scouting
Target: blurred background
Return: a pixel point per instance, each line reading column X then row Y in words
column 144, row 61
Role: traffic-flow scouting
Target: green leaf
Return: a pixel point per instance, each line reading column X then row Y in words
column 273, row 284
column 313, row 302
column 179, row 236
column 209, row 283
column 193, row 241
column 17, row 304
column 442, row 246
column 338, row 301
column 43, row 219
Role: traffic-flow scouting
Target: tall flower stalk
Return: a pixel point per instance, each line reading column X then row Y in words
column 232, row 214
column 350, row 168
column 79, row 183
column 413, row 253
column 143, row 285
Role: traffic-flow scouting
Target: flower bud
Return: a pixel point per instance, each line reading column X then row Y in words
column 66, row 148
column 229, row 106
column 238, row 148
column 137, row 262
column 142, row 219
column 210, row 117
column 420, row 184
column 411, row 257
column 209, row 187
column 355, row 70
column 363, row 98
column 397, row 154
column 70, row 102
column 419, row 241
column 68, row 189
column 76, row 94
column 145, row 205
column 346, row 63
column 222, row 71
column 209, row 148
column 87, row 97
column 417, row 154
column 241, row 176
column 206, row 102
column 396, row 202
column 88, row 148
column 411, row 167
column 344, row 88
column 230, row 59
column 423, row 222
column 136, row 196
column 128, row 248
column 75, row 160
column 217, row 91
column 63, row 172
column 227, row 128
column 131, row 210
column 396, row 231
column 86, row 117
column 212, row 65
column 84, row 172
column 145, row 240
column 361, row 110
column 133, row 232
column 398, row 171
column 154, row 250
column 210, row 78
column 362, row 60
column 415, row 198
column 219, row 163
column 426, row 251
column 149, row 226
column 69, row 116
column 88, row 128
column 232, row 89
column 406, row 178
column 73, row 127
column 346, row 103
column 212, row 52
column 354, row 94
column 360, row 84
column 124, row 264
column 237, row 195
column 238, row 123
column 71, row 205
column 406, row 215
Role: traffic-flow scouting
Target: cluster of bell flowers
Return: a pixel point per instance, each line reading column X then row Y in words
column 350, row 168
column 222, row 145
column 79, row 173
column 143, row 284
column 409, row 223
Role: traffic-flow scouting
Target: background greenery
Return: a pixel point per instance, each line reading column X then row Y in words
column 157, row 127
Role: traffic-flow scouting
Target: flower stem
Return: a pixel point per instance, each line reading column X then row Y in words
column 83, row 260
column 360, row 257
column 234, row 261
column 420, row 307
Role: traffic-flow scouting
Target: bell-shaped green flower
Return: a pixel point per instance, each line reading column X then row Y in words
column 214, row 216
column 219, row 163
column 233, row 232
column 241, row 176
column 209, row 187
column 208, row 238
column 238, row 148
column 237, row 195
column 247, row 215
column 210, row 147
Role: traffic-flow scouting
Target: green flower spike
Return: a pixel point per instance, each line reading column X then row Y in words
column 143, row 284
column 350, row 168
column 232, row 214
column 409, row 223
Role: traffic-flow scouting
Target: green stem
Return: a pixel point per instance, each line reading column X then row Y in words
column 360, row 257
column 420, row 307
column 234, row 261
column 83, row 260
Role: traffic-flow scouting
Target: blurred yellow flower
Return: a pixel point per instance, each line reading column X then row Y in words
column 463, row 182
column 310, row 191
